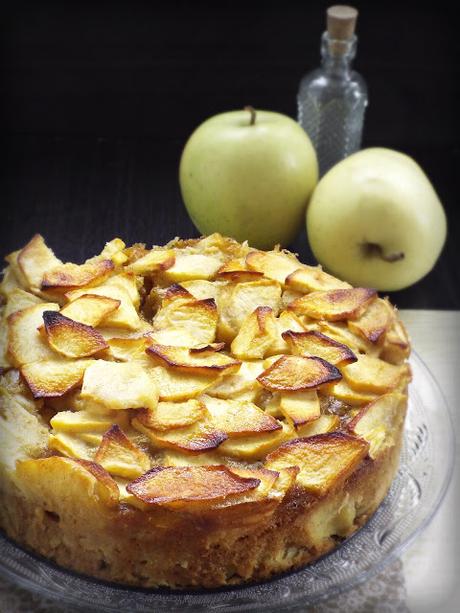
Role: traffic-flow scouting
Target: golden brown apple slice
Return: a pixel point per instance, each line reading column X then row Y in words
column 66, row 277
column 373, row 375
column 300, row 407
column 127, row 349
column 176, row 385
column 73, row 445
column 153, row 261
column 374, row 322
column 171, row 415
column 275, row 265
column 119, row 456
column 295, row 373
column 198, row 437
column 236, row 271
column 242, row 381
column 18, row 299
column 90, row 309
column 343, row 392
column 80, row 421
column 197, row 319
column 336, row 304
column 182, row 359
column 113, row 250
column 256, row 335
column 200, row 289
column 192, row 266
column 125, row 316
column 379, row 421
column 287, row 320
column 25, row 343
column 324, row 460
column 239, row 300
column 255, row 447
column 54, row 478
column 53, row 378
column 308, row 279
column 313, row 343
column 207, row 348
column 239, row 418
column 324, row 423
column 71, row 338
column 189, row 487
column 34, row 260
column 119, row 385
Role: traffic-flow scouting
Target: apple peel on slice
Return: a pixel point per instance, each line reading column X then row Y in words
column 189, row 487
column 324, row 460
column 296, row 373
column 70, row 338
column 334, row 305
column 313, row 343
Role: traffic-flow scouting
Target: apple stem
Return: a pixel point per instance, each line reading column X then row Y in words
column 375, row 250
column 251, row 110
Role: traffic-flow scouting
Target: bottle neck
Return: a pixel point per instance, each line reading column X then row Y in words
column 337, row 55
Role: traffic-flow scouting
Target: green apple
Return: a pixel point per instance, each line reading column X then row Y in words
column 375, row 220
column 248, row 175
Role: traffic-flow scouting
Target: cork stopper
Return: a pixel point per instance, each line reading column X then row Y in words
column 341, row 22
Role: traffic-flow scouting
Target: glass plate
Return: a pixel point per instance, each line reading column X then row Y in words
column 416, row 493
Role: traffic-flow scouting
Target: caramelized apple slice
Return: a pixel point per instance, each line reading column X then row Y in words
column 236, row 271
column 90, row 309
column 275, row 265
column 324, row 423
column 313, row 343
column 396, row 346
column 374, row 322
column 343, row 392
column 18, row 299
column 25, row 343
column 239, row 300
column 189, row 266
column 340, row 332
column 175, row 385
column 154, row 261
column 66, row 277
column 171, row 415
column 189, row 487
column 125, row 316
column 53, row 378
column 296, row 373
column 300, row 407
column 287, row 320
column 379, row 421
column 256, row 335
column 182, row 359
column 334, row 305
column 71, row 338
column 73, row 446
column 255, row 447
column 324, row 460
column 373, row 375
column 54, row 478
column 119, row 385
column 239, row 418
column 308, row 279
column 119, row 456
column 34, row 260
column 196, row 318
column 199, row 437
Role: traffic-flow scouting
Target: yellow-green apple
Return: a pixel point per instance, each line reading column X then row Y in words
column 248, row 175
column 375, row 220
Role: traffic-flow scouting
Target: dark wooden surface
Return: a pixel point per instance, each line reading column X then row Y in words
column 98, row 100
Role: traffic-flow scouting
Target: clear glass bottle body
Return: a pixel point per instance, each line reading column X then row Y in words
column 331, row 103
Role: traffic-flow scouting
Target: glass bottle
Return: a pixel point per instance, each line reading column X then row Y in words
column 332, row 99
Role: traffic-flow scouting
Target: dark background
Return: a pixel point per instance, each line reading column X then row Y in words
column 98, row 100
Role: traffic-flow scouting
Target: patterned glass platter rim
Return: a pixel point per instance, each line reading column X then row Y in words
column 416, row 493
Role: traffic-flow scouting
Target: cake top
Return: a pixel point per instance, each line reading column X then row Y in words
column 201, row 374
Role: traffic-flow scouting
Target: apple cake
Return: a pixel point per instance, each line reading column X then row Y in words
column 197, row 414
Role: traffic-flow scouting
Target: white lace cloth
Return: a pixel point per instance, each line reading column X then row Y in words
column 384, row 593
